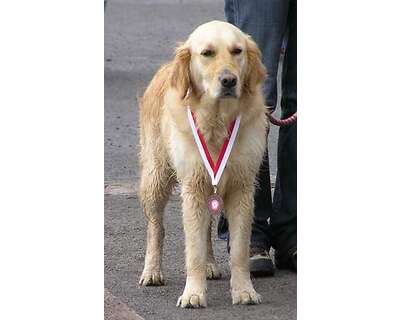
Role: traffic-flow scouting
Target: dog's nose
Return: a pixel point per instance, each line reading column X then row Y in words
column 228, row 79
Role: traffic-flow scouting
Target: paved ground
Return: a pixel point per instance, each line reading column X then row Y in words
column 139, row 36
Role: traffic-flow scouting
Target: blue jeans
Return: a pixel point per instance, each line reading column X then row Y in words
column 269, row 22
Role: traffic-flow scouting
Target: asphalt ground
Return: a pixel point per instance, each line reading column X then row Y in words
column 140, row 36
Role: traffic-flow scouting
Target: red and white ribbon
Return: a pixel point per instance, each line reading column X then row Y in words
column 214, row 170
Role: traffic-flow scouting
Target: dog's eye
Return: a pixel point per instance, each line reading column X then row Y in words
column 207, row 53
column 236, row 51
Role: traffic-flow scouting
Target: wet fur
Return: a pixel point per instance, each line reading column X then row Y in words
column 169, row 156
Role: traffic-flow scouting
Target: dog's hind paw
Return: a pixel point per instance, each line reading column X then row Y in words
column 246, row 297
column 212, row 271
column 152, row 278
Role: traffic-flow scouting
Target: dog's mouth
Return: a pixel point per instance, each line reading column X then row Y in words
column 228, row 93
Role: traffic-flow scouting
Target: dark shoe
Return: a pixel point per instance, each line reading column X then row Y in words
column 287, row 260
column 261, row 264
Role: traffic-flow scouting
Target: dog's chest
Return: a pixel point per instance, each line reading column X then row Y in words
column 188, row 162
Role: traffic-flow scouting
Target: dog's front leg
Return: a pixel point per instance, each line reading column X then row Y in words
column 195, row 223
column 239, row 209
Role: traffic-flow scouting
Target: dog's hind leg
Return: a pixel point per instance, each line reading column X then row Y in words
column 211, row 268
column 155, row 187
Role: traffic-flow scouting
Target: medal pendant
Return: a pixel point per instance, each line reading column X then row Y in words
column 215, row 204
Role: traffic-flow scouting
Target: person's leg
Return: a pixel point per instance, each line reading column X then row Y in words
column 260, row 234
column 284, row 217
column 265, row 21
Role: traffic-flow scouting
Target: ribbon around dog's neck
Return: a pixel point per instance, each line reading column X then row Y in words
column 214, row 170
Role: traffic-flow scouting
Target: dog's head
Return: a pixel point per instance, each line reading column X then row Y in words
column 217, row 60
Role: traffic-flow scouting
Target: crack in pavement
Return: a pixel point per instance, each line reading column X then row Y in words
column 115, row 309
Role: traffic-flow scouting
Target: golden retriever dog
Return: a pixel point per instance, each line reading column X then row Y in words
column 218, row 73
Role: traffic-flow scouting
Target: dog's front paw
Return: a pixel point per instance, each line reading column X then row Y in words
column 192, row 300
column 212, row 271
column 151, row 278
column 249, row 296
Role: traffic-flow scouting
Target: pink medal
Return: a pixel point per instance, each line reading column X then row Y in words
column 215, row 203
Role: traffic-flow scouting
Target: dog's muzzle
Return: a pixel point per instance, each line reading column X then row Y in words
column 228, row 83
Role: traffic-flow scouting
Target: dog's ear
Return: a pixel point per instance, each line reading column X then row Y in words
column 256, row 71
column 180, row 75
